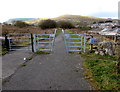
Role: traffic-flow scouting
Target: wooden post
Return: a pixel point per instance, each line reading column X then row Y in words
column 91, row 46
column 102, row 38
column 32, row 42
column 115, row 38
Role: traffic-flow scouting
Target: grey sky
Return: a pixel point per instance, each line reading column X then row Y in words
column 54, row 8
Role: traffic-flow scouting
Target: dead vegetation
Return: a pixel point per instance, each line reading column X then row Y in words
column 6, row 29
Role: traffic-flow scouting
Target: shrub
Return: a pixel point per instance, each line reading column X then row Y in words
column 84, row 28
column 45, row 24
column 65, row 24
column 20, row 24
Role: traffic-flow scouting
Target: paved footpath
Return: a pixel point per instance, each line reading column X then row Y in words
column 56, row 71
column 12, row 60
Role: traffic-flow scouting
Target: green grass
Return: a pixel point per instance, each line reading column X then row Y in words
column 74, row 36
column 58, row 32
column 101, row 71
column 30, row 58
column 21, row 43
column 3, row 51
column 42, row 52
column 23, row 65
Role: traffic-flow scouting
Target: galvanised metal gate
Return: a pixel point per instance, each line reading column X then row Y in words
column 44, row 42
column 74, row 42
column 19, row 41
column 33, row 42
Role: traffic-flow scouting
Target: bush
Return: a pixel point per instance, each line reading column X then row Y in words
column 84, row 28
column 20, row 24
column 45, row 24
column 65, row 24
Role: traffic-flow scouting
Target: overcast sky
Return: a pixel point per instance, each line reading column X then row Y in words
column 54, row 8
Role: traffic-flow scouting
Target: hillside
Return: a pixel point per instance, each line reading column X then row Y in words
column 19, row 19
column 34, row 21
column 72, row 18
column 76, row 17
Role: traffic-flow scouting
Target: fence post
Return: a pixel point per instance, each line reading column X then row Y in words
column 91, row 44
column 85, row 43
column 115, row 38
column 7, row 42
column 32, row 43
column 34, row 36
column 55, row 31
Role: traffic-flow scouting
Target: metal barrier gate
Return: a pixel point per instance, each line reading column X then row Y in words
column 27, row 41
column 74, row 42
column 44, row 42
column 19, row 41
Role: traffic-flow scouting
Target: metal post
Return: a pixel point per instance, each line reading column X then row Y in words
column 55, row 31
column 84, row 43
column 32, row 42
column 81, row 40
column 50, row 42
column 63, row 31
column 53, row 40
column 6, row 42
column 34, row 36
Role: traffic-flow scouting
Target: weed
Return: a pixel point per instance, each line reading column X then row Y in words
column 3, row 51
column 30, row 58
column 23, row 65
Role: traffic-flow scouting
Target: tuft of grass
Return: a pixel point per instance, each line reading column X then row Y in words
column 30, row 58
column 3, row 51
column 42, row 52
column 71, row 52
column 23, row 65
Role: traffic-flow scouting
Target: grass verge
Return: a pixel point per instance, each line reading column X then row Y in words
column 101, row 72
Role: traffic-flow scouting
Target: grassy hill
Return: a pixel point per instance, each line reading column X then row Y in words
column 72, row 18
column 78, row 19
column 75, row 17
column 35, row 21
